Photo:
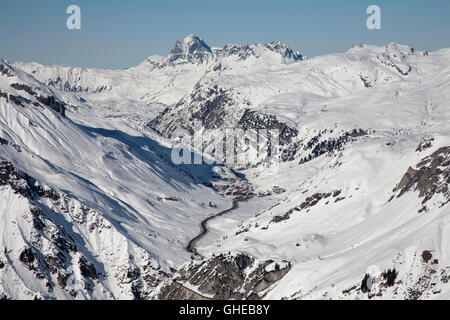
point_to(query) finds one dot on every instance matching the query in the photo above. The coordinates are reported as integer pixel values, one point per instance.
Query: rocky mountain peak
(191, 48)
(284, 50)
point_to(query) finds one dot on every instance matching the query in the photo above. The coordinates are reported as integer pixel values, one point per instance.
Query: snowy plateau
(92, 207)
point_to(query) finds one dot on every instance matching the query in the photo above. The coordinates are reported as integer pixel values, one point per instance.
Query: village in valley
(242, 188)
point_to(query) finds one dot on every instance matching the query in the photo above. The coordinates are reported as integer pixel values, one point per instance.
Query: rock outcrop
(224, 277)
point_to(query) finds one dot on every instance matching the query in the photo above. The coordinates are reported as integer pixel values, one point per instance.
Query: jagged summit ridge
(284, 50)
(193, 49)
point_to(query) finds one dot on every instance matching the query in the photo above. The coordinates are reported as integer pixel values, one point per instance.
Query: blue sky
(120, 34)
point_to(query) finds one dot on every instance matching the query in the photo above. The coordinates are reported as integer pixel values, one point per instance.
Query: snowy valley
(358, 205)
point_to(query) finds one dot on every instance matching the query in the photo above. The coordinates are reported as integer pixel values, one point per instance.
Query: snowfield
(92, 206)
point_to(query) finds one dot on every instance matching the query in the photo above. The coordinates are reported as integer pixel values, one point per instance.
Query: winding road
(204, 225)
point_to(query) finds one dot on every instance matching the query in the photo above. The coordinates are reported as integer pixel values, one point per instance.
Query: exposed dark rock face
(62, 280)
(4, 142)
(213, 110)
(366, 284)
(23, 87)
(5, 70)
(49, 101)
(431, 177)
(313, 200)
(11, 176)
(393, 60)
(65, 85)
(255, 120)
(18, 100)
(390, 276)
(400, 70)
(27, 256)
(366, 82)
(425, 144)
(52, 248)
(284, 50)
(224, 277)
(4, 95)
(33, 262)
(133, 274)
(52, 103)
(331, 145)
(282, 218)
(426, 256)
(87, 269)
(56, 261)
(308, 203)
(290, 151)
(23, 183)
(136, 290)
(242, 52)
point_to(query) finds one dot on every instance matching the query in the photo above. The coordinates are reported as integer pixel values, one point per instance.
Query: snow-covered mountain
(93, 207)
(76, 194)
